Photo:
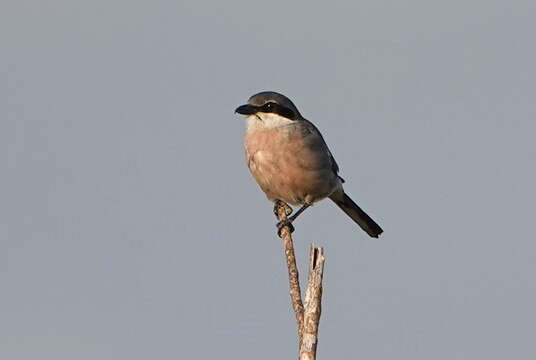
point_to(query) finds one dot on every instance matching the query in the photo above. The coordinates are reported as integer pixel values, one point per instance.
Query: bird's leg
(302, 209)
(288, 221)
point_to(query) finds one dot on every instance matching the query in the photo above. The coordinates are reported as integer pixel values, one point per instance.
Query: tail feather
(359, 216)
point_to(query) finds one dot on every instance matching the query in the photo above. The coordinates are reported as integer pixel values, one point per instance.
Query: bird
(291, 162)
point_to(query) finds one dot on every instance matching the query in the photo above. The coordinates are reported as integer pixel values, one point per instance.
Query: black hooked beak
(246, 109)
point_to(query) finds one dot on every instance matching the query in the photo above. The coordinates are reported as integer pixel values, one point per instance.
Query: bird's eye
(269, 105)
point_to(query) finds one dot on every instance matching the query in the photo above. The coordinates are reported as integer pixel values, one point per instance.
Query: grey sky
(130, 227)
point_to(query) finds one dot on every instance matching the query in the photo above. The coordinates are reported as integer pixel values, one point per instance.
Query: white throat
(267, 121)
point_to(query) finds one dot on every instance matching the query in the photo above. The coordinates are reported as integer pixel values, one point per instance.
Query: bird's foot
(285, 222)
(278, 204)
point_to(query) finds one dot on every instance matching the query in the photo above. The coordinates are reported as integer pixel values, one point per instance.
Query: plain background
(130, 227)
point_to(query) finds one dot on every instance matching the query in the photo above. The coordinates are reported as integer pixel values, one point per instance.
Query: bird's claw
(278, 204)
(285, 222)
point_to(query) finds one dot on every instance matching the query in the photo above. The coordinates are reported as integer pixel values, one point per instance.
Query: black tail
(359, 216)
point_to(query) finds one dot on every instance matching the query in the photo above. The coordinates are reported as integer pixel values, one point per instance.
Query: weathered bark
(313, 298)
(307, 318)
(293, 279)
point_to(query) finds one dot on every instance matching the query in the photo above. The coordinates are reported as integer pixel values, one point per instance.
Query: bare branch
(293, 280)
(313, 298)
(307, 318)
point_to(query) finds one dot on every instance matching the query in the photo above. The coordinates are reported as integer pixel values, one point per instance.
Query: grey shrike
(290, 160)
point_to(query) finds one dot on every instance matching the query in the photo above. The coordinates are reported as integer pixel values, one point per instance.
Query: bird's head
(271, 108)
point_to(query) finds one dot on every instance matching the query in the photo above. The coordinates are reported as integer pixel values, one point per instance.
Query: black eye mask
(272, 107)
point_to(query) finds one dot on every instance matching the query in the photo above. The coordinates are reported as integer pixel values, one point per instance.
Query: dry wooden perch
(308, 317)
(313, 297)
